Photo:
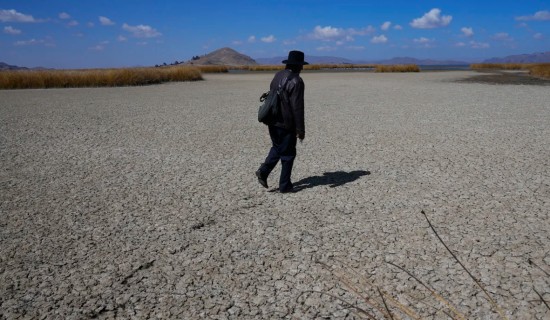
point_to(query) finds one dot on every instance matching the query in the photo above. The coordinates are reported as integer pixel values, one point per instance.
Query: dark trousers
(284, 149)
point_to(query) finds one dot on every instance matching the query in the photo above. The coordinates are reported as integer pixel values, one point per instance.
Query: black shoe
(287, 190)
(261, 180)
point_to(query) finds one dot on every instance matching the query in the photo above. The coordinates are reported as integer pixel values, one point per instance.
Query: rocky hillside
(223, 56)
(340, 60)
(522, 58)
(308, 58)
(5, 66)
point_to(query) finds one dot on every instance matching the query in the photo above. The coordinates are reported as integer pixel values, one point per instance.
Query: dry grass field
(146, 76)
(397, 68)
(535, 69)
(418, 197)
(97, 77)
(312, 67)
(540, 70)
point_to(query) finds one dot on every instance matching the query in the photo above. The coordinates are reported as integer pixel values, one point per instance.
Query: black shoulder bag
(271, 104)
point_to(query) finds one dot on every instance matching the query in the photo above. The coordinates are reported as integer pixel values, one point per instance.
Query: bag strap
(282, 84)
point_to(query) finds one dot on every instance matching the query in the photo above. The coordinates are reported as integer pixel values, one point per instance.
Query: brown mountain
(5, 66)
(539, 57)
(223, 56)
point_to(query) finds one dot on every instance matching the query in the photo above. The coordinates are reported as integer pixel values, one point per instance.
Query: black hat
(295, 57)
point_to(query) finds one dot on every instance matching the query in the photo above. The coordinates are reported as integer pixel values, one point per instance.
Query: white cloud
(538, 36)
(64, 16)
(339, 35)
(252, 39)
(289, 42)
(141, 31)
(237, 43)
(422, 40)
(362, 32)
(90, 24)
(122, 38)
(460, 44)
(326, 48)
(73, 23)
(327, 33)
(14, 16)
(502, 36)
(28, 42)
(398, 27)
(385, 26)
(356, 48)
(32, 42)
(467, 32)
(479, 45)
(432, 19)
(99, 47)
(538, 16)
(11, 30)
(268, 39)
(104, 21)
(379, 39)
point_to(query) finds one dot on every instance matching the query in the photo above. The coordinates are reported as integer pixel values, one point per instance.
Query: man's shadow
(332, 179)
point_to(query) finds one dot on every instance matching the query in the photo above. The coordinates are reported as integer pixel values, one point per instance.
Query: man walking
(288, 125)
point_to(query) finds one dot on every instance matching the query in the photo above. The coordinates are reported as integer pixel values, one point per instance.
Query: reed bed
(397, 68)
(96, 77)
(499, 66)
(339, 66)
(264, 68)
(213, 69)
(306, 67)
(540, 70)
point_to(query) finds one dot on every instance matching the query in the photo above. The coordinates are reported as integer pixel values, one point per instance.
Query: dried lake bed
(141, 202)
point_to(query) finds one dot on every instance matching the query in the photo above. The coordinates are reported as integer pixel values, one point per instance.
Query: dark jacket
(291, 116)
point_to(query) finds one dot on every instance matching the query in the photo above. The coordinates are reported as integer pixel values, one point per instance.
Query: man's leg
(287, 152)
(272, 158)
(285, 183)
(270, 162)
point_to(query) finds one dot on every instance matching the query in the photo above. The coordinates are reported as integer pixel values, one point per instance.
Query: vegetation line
(535, 69)
(498, 309)
(531, 262)
(408, 311)
(541, 298)
(35, 79)
(349, 305)
(432, 291)
(351, 287)
(384, 301)
(397, 68)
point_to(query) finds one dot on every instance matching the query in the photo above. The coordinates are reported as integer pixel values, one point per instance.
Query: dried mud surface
(141, 202)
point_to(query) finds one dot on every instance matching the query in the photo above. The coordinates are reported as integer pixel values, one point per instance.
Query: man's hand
(301, 135)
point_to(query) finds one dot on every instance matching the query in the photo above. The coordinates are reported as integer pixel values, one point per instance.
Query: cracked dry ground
(141, 202)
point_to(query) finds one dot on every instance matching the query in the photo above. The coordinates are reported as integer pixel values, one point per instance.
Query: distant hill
(310, 59)
(340, 60)
(522, 58)
(5, 66)
(223, 56)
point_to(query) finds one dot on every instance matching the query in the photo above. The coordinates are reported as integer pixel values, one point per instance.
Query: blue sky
(120, 33)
